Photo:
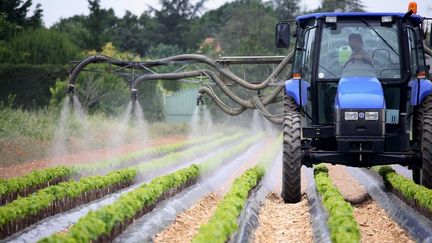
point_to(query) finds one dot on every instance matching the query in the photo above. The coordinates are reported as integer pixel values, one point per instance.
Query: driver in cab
(355, 41)
(359, 62)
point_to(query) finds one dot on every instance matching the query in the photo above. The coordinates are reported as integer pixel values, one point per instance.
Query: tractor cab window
(359, 48)
(304, 52)
(417, 59)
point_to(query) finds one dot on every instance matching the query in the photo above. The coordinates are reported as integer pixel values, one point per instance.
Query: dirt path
(375, 224)
(186, 224)
(85, 157)
(280, 222)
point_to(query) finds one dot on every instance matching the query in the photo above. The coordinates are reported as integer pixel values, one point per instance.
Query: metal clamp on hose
(200, 99)
(71, 89)
(134, 94)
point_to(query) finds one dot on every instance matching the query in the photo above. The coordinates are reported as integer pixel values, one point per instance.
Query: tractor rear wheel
(291, 168)
(426, 150)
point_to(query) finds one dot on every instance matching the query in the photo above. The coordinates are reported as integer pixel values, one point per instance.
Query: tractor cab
(358, 83)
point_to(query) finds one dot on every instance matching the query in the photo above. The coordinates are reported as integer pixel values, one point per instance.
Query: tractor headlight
(372, 116)
(351, 115)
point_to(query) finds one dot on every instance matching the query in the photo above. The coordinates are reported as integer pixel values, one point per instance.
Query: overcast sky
(53, 10)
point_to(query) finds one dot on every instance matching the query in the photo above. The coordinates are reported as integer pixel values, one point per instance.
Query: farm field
(229, 121)
(217, 187)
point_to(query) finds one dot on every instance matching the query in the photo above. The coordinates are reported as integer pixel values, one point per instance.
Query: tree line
(240, 27)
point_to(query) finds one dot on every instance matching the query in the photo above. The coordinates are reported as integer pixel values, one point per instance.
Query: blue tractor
(359, 95)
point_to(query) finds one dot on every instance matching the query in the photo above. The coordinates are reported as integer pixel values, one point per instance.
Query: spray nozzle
(71, 89)
(200, 99)
(134, 95)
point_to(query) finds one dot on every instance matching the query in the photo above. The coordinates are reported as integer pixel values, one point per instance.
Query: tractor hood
(359, 93)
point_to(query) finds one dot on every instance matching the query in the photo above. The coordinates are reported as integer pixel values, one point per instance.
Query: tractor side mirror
(282, 37)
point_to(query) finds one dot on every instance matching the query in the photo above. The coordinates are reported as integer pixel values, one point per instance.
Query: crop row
(417, 196)
(224, 222)
(22, 186)
(341, 222)
(58, 198)
(147, 153)
(32, 208)
(137, 203)
(107, 222)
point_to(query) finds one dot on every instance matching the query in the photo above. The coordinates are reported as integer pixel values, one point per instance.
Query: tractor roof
(415, 18)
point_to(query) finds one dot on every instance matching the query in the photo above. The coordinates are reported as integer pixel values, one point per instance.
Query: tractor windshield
(359, 48)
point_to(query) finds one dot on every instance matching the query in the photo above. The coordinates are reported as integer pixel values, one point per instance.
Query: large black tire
(420, 111)
(426, 150)
(291, 158)
(424, 109)
(290, 104)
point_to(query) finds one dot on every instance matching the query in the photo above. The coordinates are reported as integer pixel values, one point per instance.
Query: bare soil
(280, 222)
(375, 224)
(84, 157)
(186, 224)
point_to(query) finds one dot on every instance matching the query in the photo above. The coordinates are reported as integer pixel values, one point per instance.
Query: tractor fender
(425, 90)
(359, 93)
(292, 89)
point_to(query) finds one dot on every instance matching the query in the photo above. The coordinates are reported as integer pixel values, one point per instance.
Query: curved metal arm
(261, 108)
(99, 59)
(225, 108)
(227, 73)
(427, 49)
(169, 76)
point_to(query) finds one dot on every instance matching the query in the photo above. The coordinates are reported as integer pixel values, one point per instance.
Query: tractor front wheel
(426, 150)
(291, 168)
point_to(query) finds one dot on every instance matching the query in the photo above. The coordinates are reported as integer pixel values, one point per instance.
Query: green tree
(253, 38)
(356, 6)
(99, 23)
(137, 34)
(175, 18)
(7, 29)
(39, 46)
(17, 11)
(286, 9)
(75, 28)
(341, 5)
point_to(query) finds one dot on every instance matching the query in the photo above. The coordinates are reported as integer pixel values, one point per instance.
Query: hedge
(29, 83)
